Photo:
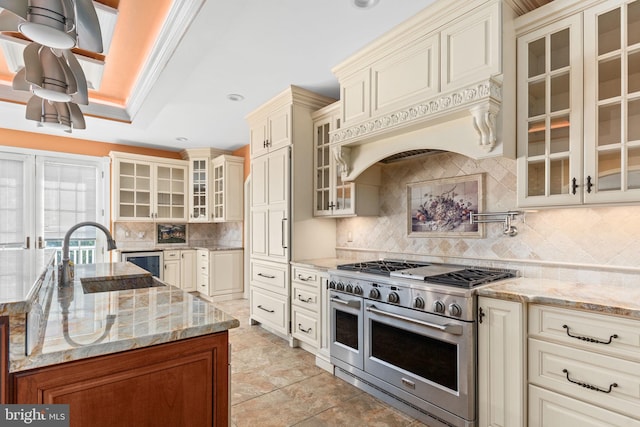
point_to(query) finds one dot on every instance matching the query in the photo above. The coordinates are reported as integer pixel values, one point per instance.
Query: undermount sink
(120, 276)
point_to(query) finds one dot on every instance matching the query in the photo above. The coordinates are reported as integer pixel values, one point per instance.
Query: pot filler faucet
(66, 276)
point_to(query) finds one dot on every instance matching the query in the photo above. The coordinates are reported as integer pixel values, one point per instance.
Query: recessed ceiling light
(235, 97)
(182, 139)
(364, 4)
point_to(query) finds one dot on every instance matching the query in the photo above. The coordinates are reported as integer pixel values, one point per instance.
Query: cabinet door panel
(258, 138)
(412, 75)
(259, 230)
(278, 177)
(278, 232)
(548, 409)
(355, 98)
(550, 144)
(259, 182)
(280, 128)
(182, 383)
(470, 48)
(501, 363)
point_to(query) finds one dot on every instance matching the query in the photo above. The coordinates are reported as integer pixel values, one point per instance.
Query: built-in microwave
(152, 261)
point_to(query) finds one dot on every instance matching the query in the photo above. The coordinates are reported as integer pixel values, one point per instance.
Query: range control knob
(349, 288)
(340, 286)
(374, 293)
(393, 298)
(357, 290)
(418, 302)
(438, 306)
(332, 284)
(455, 310)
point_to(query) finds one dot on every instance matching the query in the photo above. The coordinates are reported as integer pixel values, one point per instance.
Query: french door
(41, 197)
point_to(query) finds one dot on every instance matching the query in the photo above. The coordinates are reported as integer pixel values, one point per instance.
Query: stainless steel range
(406, 332)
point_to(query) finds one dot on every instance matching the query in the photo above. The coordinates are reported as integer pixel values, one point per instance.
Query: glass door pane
(69, 194)
(13, 206)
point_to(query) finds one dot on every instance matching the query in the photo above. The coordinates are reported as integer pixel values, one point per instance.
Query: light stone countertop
(66, 324)
(607, 299)
(323, 264)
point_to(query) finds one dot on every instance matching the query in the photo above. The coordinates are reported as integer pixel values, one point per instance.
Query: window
(41, 196)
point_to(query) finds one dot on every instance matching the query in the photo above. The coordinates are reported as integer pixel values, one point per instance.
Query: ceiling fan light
(51, 94)
(46, 35)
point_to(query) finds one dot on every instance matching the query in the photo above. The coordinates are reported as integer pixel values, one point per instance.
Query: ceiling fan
(52, 72)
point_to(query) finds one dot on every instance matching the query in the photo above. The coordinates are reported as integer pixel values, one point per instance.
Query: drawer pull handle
(589, 386)
(308, 300)
(267, 276)
(266, 309)
(306, 331)
(304, 279)
(589, 339)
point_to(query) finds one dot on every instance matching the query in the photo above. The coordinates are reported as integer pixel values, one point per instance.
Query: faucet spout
(66, 276)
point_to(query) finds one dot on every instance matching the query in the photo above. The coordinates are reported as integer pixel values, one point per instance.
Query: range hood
(435, 83)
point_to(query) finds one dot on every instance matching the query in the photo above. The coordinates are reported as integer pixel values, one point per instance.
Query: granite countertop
(604, 298)
(181, 248)
(324, 264)
(65, 323)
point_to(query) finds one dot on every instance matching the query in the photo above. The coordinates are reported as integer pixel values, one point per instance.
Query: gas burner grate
(382, 267)
(470, 277)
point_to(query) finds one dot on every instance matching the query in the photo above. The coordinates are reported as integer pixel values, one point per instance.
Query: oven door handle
(351, 303)
(449, 328)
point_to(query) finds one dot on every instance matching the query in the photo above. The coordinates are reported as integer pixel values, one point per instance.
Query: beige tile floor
(275, 385)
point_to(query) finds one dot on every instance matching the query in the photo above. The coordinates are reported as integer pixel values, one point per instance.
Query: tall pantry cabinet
(282, 225)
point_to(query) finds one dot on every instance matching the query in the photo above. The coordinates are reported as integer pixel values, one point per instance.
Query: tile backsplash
(142, 235)
(554, 243)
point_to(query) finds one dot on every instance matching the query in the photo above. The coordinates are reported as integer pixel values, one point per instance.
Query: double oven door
(428, 356)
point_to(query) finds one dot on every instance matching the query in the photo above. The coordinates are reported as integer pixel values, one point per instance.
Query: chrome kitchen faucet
(66, 274)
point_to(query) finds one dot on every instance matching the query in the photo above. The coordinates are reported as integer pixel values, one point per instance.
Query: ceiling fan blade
(9, 21)
(70, 78)
(19, 80)
(17, 7)
(34, 73)
(34, 109)
(77, 118)
(81, 96)
(88, 26)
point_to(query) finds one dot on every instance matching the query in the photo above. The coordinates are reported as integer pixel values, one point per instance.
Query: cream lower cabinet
(305, 307)
(220, 274)
(269, 296)
(501, 363)
(584, 368)
(179, 268)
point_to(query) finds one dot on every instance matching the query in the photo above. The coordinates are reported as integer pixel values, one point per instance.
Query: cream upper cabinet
(550, 139)
(149, 188)
(333, 196)
(579, 104)
(270, 132)
(612, 107)
(228, 188)
(501, 363)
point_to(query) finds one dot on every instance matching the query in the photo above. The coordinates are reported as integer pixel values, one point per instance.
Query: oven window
(347, 329)
(429, 358)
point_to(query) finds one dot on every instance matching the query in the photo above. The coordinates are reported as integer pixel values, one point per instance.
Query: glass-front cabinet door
(199, 190)
(333, 196)
(550, 115)
(612, 117)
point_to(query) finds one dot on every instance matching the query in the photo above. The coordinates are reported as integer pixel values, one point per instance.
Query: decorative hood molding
(481, 101)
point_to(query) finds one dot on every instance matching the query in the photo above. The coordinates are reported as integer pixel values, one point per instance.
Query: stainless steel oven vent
(410, 154)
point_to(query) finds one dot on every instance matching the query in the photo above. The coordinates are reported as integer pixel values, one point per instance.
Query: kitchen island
(154, 355)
